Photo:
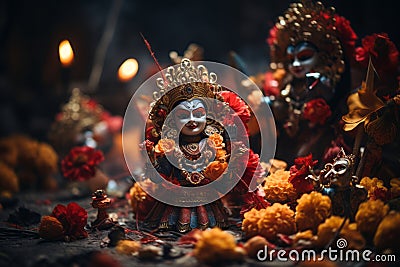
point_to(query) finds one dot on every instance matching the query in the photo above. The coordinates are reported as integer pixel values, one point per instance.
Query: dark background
(31, 88)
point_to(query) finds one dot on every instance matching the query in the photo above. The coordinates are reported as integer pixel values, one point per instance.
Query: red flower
(334, 149)
(73, 219)
(237, 105)
(272, 38)
(299, 171)
(253, 172)
(317, 111)
(254, 200)
(81, 162)
(346, 35)
(271, 85)
(382, 51)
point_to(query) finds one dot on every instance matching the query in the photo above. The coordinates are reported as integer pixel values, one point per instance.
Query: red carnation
(253, 172)
(237, 105)
(382, 51)
(346, 35)
(81, 162)
(299, 172)
(73, 219)
(254, 200)
(317, 111)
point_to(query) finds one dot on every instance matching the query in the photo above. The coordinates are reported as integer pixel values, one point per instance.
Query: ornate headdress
(184, 82)
(312, 22)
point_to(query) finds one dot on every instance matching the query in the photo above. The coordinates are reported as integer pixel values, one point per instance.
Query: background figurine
(101, 202)
(307, 85)
(338, 182)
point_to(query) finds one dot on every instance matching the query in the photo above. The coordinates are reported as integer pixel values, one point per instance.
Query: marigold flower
(8, 152)
(164, 146)
(220, 154)
(216, 140)
(81, 162)
(278, 188)
(312, 209)
(375, 188)
(50, 228)
(268, 222)
(387, 235)
(250, 222)
(215, 169)
(127, 247)
(369, 215)
(255, 244)
(8, 180)
(46, 160)
(216, 246)
(305, 237)
(395, 187)
(327, 231)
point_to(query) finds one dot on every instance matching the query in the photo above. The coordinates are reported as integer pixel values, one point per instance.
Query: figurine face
(190, 117)
(302, 59)
(340, 172)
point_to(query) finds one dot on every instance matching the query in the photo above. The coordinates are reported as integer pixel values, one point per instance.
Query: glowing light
(65, 53)
(128, 70)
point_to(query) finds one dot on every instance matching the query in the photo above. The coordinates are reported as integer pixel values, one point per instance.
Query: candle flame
(66, 53)
(128, 70)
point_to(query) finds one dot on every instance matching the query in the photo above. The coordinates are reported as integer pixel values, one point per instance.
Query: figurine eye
(183, 114)
(340, 168)
(198, 113)
(305, 54)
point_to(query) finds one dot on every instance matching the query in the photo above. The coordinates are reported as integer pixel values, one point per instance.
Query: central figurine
(196, 129)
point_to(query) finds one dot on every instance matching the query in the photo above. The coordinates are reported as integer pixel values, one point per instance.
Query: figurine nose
(296, 63)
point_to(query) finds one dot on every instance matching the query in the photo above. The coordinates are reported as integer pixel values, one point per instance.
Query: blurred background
(34, 84)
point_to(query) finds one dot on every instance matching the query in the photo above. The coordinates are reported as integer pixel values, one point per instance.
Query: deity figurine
(338, 182)
(306, 87)
(195, 138)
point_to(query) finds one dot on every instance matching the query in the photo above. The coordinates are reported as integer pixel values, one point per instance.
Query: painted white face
(190, 117)
(302, 59)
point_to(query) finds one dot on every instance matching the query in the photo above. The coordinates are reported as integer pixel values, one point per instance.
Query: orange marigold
(395, 187)
(372, 184)
(369, 215)
(8, 152)
(164, 146)
(216, 246)
(8, 180)
(216, 140)
(312, 209)
(46, 160)
(327, 231)
(51, 228)
(127, 247)
(138, 195)
(278, 188)
(276, 219)
(387, 235)
(250, 222)
(215, 169)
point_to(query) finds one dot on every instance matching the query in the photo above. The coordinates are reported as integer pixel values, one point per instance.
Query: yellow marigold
(250, 221)
(277, 219)
(304, 238)
(50, 228)
(395, 187)
(8, 152)
(127, 247)
(387, 235)
(255, 244)
(327, 231)
(46, 160)
(27, 149)
(369, 215)
(275, 165)
(215, 169)
(164, 146)
(8, 180)
(216, 246)
(137, 194)
(220, 154)
(312, 209)
(278, 188)
(372, 184)
(216, 140)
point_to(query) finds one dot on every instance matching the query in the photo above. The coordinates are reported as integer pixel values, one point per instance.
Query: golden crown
(309, 21)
